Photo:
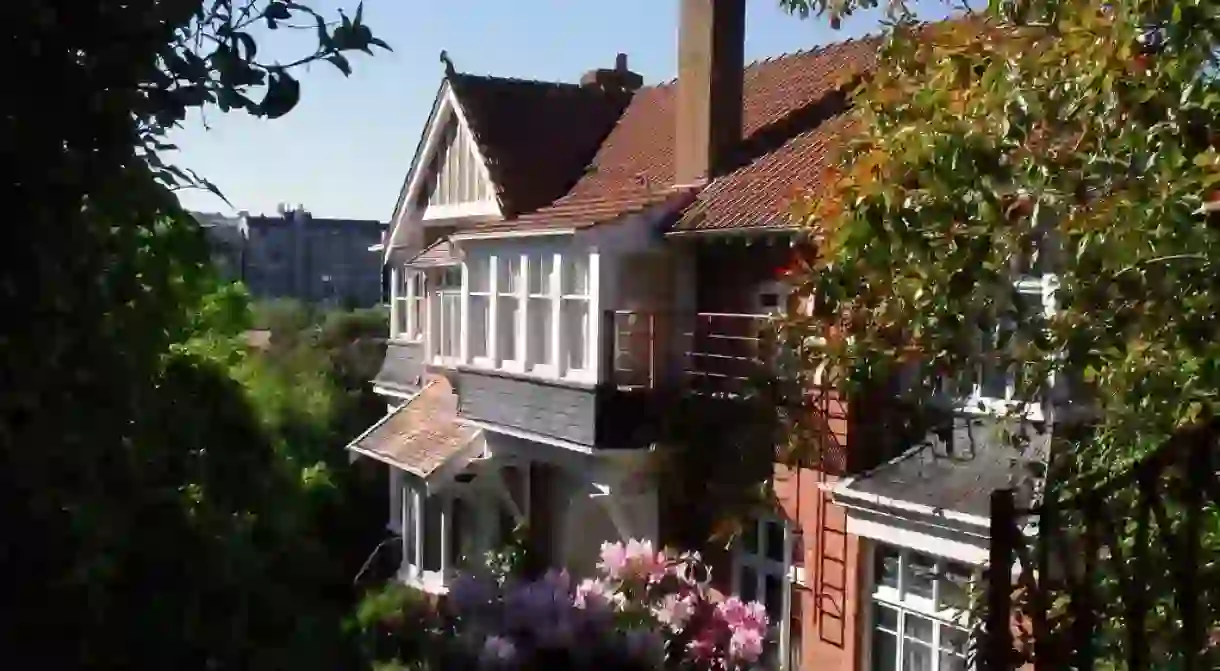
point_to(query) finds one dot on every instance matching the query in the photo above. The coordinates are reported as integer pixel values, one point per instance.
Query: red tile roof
(794, 123)
(421, 435)
(537, 137)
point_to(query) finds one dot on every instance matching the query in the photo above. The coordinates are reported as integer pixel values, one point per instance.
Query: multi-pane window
(540, 340)
(509, 311)
(478, 274)
(918, 611)
(763, 571)
(574, 312)
(447, 315)
(408, 295)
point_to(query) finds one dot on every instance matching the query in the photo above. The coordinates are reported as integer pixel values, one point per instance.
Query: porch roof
(952, 472)
(436, 255)
(422, 436)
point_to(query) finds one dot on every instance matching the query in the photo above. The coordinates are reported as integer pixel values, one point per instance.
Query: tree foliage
(1078, 140)
(149, 518)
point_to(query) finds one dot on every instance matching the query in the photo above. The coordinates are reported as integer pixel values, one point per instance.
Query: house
(297, 255)
(581, 278)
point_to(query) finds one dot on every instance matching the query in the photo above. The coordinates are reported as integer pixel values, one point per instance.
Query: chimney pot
(620, 63)
(619, 80)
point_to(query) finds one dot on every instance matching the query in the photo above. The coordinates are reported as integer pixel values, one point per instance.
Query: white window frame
(407, 295)
(587, 372)
(436, 318)
(486, 295)
(547, 299)
(791, 577)
(905, 605)
(511, 361)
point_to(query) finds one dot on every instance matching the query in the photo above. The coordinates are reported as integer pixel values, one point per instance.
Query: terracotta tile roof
(420, 436)
(537, 137)
(793, 123)
(439, 253)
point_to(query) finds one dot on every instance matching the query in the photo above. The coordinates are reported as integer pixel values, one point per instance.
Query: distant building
(296, 255)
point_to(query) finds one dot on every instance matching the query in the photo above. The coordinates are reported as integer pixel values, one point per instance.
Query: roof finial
(449, 69)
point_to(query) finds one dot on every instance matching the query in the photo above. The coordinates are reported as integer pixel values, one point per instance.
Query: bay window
(918, 611)
(510, 292)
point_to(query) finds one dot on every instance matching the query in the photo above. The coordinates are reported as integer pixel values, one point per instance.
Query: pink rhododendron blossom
(675, 611)
(613, 560)
(746, 644)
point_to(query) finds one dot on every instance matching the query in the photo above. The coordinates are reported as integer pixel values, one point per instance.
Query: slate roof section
(420, 436)
(958, 469)
(794, 122)
(537, 137)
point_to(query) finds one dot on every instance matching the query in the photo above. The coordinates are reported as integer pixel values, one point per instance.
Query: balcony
(714, 354)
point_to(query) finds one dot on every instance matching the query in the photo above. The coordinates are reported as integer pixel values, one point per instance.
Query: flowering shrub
(646, 610)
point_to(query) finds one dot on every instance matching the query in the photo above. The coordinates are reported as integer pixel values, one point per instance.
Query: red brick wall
(827, 603)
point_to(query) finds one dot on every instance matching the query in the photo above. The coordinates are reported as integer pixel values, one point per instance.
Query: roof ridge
(517, 80)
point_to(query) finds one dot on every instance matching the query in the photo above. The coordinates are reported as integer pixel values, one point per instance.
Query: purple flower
(498, 653)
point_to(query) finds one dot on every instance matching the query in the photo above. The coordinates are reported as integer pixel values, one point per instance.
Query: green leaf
(340, 61)
(277, 11)
(283, 94)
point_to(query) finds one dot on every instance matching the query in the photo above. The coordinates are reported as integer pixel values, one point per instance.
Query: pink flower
(613, 560)
(746, 644)
(591, 593)
(736, 613)
(674, 611)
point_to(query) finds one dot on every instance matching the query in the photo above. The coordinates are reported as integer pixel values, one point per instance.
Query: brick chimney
(620, 79)
(711, 58)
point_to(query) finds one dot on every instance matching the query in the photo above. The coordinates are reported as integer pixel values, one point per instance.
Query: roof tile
(421, 435)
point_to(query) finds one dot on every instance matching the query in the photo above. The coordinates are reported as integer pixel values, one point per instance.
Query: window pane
(954, 640)
(749, 584)
(773, 598)
(576, 333)
(885, 651)
(576, 275)
(885, 566)
(774, 539)
(506, 346)
(915, 627)
(479, 306)
(885, 617)
(749, 536)
(478, 275)
(451, 323)
(540, 269)
(402, 310)
(417, 308)
(539, 334)
(918, 574)
(916, 656)
(954, 586)
(460, 547)
(432, 531)
(510, 274)
(949, 662)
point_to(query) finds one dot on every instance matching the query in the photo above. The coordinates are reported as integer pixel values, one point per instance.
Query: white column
(417, 519)
(593, 354)
(446, 504)
(464, 317)
(395, 274)
(556, 287)
(493, 310)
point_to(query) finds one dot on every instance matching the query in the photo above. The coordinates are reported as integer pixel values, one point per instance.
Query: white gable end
(448, 180)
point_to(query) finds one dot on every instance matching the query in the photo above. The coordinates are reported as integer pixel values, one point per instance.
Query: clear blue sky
(345, 149)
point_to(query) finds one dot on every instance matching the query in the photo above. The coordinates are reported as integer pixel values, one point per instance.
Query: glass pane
(460, 548)
(954, 640)
(749, 536)
(576, 333)
(916, 627)
(506, 346)
(403, 310)
(774, 539)
(885, 651)
(479, 306)
(773, 598)
(576, 275)
(540, 269)
(916, 656)
(885, 617)
(950, 662)
(748, 587)
(451, 318)
(539, 334)
(955, 586)
(510, 273)
(432, 532)
(886, 566)
(919, 574)
(417, 307)
(478, 275)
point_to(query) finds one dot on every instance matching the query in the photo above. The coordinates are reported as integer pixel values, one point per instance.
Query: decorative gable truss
(448, 179)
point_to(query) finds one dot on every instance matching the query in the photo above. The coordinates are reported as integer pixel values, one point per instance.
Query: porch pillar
(417, 520)
(446, 504)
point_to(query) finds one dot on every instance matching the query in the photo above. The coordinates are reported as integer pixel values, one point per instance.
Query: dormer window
(408, 305)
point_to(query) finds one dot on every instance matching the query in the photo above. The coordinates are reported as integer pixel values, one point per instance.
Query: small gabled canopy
(423, 437)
